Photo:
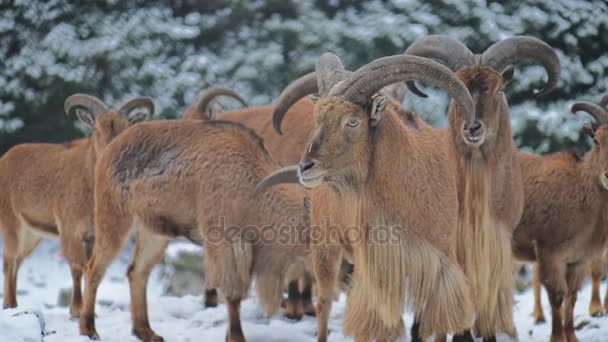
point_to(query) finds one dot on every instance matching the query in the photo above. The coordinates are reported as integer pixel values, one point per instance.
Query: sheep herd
(344, 190)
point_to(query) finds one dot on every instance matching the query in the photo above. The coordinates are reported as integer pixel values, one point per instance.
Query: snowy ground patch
(45, 273)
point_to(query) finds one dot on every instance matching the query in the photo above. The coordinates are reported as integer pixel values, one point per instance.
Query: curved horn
(88, 102)
(443, 49)
(287, 174)
(597, 112)
(604, 101)
(303, 86)
(524, 48)
(129, 105)
(387, 70)
(329, 72)
(206, 97)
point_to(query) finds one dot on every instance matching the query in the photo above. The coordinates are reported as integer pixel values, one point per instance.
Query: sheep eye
(352, 123)
(500, 91)
(596, 143)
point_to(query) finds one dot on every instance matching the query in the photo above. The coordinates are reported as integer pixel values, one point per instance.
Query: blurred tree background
(170, 50)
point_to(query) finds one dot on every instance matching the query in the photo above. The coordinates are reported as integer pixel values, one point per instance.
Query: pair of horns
(207, 96)
(96, 106)
(456, 55)
(331, 79)
(599, 112)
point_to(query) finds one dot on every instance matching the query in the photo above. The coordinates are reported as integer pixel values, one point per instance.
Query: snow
(45, 273)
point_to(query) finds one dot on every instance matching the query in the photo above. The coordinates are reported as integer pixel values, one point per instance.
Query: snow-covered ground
(45, 273)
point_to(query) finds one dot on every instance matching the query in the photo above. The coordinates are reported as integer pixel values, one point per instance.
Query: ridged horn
(206, 97)
(287, 174)
(126, 107)
(524, 48)
(443, 49)
(604, 101)
(372, 77)
(599, 113)
(329, 72)
(88, 102)
(303, 86)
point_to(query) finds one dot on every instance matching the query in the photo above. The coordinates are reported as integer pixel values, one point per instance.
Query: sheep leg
(539, 315)
(575, 276)
(111, 231)
(211, 299)
(415, 331)
(553, 276)
(326, 262)
(73, 248)
(17, 247)
(294, 308)
(309, 307)
(76, 270)
(10, 281)
(569, 317)
(149, 249)
(597, 271)
(235, 332)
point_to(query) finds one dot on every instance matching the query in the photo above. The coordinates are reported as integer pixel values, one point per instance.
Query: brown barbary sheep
(371, 167)
(597, 272)
(193, 179)
(298, 302)
(48, 191)
(565, 222)
(489, 180)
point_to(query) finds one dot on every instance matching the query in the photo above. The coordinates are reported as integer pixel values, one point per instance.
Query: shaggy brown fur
(48, 192)
(564, 223)
(491, 199)
(286, 149)
(169, 179)
(421, 256)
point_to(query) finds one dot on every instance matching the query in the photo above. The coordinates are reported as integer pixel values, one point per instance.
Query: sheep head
(599, 133)
(105, 122)
(486, 75)
(350, 110)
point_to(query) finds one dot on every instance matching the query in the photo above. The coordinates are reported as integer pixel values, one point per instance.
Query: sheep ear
(315, 98)
(86, 117)
(507, 74)
(377, 109)
(588, 130)
(138, 117)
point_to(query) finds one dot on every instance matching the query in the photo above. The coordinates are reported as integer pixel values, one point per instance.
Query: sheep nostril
(306, 164)
(474, 127)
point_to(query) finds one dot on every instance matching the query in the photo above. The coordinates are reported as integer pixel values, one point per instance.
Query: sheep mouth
(474, 140)
(604, 180)
(474, 136)
(311, 177)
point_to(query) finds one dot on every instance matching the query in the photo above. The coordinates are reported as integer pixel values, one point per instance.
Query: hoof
(539, 319)
(309, 309)
(571, 338)
(596, 311)
(75, 314)
(87, 327)
(235, 338)
(148, 335)
(211, 299)
(294, 310)
(93, 335)
(558, 338)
